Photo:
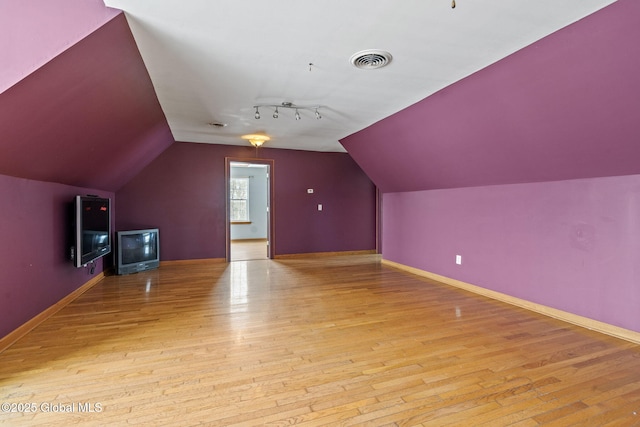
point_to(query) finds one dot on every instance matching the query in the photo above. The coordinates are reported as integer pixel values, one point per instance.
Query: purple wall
(571, 245)
(35, 269)
(182, 192)
(33, 32)
(88, 118)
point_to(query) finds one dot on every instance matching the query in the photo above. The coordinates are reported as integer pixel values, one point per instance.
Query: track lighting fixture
(290, 106)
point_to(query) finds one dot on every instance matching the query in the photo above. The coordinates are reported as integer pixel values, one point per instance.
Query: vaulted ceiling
(490, 92)
(212, 61)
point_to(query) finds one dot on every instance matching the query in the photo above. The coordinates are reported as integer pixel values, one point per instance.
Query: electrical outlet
(459, 259)
(319, 206)
(309, 190)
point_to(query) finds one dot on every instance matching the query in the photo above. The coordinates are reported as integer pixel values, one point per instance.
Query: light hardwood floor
(246, 250)
(335, 341)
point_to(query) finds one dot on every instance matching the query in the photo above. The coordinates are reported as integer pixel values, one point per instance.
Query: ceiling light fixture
(256, 139)
(288, 105)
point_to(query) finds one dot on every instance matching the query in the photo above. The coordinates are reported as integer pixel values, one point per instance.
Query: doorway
(249, 223)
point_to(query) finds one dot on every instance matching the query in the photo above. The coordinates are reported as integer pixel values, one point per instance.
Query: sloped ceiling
(212, 61)
(89, 117)
(565, 107)
(34, 32)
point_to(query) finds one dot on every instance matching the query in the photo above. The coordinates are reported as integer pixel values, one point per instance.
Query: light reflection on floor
(239, 286)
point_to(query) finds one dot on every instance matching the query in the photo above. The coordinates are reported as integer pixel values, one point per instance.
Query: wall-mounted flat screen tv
(92, 226)
(137, 250)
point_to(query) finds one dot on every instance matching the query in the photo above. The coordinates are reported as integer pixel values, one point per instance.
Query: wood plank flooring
(335, 341)
(246, 250)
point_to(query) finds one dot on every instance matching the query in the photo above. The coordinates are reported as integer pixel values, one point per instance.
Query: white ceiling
(211, 61)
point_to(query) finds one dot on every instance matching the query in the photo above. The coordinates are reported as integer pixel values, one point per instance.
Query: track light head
(288, 106)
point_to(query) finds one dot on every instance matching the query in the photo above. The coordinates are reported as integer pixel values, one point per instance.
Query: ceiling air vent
(371, 59)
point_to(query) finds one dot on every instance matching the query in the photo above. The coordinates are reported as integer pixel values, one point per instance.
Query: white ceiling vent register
(370, 59)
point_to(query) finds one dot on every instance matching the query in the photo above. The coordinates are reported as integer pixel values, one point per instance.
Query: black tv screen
(92, 229)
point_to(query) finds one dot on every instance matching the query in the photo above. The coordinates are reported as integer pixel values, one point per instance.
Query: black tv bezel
(138, 266)
(82, 258)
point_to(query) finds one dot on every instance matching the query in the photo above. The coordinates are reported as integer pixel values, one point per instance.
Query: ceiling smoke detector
(371, 59)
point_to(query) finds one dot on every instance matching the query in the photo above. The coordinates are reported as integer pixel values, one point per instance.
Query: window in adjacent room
(239, 197)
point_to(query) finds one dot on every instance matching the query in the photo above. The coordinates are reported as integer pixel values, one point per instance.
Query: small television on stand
(92, 229)
(137, 250)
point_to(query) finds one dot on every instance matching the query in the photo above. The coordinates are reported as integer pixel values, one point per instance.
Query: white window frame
(237, 198)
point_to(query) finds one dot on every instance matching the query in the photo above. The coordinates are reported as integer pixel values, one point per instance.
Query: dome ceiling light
(256, 139)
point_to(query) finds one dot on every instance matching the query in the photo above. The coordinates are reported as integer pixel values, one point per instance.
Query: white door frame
(270, 202)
